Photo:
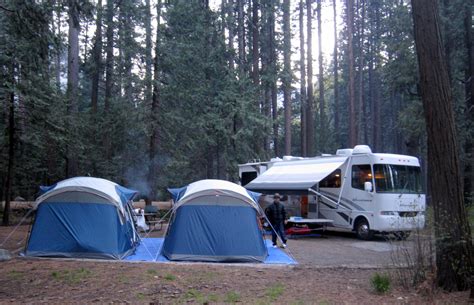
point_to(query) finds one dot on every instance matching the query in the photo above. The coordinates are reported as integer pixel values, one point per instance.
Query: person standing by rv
(276, 214)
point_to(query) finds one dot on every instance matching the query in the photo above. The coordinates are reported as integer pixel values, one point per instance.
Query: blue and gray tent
(214, 221)
(83, 217)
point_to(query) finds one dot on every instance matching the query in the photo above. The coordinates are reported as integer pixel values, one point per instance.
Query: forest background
(157, 94)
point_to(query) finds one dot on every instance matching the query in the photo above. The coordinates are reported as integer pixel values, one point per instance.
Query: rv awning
(295, 175)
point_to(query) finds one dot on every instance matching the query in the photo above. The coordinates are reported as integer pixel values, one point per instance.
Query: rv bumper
(391, 223)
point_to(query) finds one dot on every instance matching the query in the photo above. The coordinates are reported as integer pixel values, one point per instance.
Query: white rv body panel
(385, 208)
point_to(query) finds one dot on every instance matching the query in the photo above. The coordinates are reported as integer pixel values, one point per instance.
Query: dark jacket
(276, 213)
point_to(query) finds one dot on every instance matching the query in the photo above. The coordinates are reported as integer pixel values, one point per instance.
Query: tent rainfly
(83, 217)
(214, 221)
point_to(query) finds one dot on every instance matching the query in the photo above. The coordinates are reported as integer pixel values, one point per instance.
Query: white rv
(355, 189)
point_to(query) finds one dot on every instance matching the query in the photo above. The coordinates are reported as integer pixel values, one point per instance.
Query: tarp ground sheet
(149, 251)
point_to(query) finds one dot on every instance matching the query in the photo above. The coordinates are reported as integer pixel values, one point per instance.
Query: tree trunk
(273, 86)
(148, 56)
(310, 103)
(97, 57)
(72, 87)
(351, 88)
(230, 27)
(454, 259)
(126, 42)
(154, 120)
(322, 106)
(267, 112)
(370, 91)
(286, 80)
(58, 51)
(362, 124)
(86, 40)
(469, 93)
(336, 80)
(95, 78)
(255, 39)
(109, 71)
(303, 137)
(375, 93)
(240, 35)
(447, 34)
(11, 152)
(276, 126)
(265, 57)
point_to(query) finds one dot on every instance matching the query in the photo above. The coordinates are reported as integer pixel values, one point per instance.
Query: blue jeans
(280, 230)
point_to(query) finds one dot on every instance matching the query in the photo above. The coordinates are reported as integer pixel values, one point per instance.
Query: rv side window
(247, 177)
(333, 180)
(360, 175)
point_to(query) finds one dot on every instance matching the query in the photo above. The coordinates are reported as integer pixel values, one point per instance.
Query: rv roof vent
(290, 158)
(361, 149)
(275, 159)
(344, 152)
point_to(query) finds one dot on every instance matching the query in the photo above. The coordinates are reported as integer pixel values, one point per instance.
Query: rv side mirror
(368, 186)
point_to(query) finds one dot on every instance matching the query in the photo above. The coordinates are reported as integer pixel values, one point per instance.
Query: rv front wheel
(363, 230)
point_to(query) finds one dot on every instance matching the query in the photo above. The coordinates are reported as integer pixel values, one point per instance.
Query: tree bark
(322, 104)
(255, 39)
(310, 103)
(11, 152)
(109, 73)
(126, 42)
(266, 72)
(336, 80)
(286, 79)
(303, 137)
(468, 94)
(154, 120)
(148, 51)
(454, 260)
(58, 51)
(230, 21)
(97, 57)
(240, 35)
(447, 34)
(72, 87)
(375, 79)
(362, 125)
(351, 88)
(273, 86)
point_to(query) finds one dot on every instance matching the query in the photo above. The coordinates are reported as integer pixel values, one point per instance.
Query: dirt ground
(310, 282)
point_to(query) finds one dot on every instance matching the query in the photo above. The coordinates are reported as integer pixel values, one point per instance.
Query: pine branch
(6, 9)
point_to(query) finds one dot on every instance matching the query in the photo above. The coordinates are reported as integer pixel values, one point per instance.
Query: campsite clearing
(312, 281)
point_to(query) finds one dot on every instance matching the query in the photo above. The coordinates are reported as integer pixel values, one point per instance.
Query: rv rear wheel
(362, 229)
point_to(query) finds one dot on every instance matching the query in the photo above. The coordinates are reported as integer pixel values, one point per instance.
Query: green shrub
(232, 297)
(170, 277)
(152, 272)
(275, 291)
(73, 276)
(380, 282)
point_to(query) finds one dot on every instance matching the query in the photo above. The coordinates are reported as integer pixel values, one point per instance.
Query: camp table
(152, 221)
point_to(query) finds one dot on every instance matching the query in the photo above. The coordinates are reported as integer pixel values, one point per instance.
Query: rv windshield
(402, 179)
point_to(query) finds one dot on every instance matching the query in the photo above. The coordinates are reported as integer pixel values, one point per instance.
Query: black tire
(402, 235)
(362, 230)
